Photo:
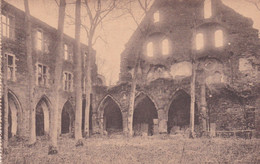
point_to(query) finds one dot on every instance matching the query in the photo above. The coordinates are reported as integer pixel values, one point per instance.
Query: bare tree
(131, 6)
(144, 5)
(57, 78)
(95, 15)
(31, 78)
(78, 77)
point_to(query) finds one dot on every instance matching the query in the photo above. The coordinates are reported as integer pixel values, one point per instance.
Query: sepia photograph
(130, 81)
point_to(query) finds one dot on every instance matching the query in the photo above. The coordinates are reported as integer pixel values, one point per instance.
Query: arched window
(165, 47)
(150, 49)
(199, 41)
(219, 38)
(156, 17)
(207, 9)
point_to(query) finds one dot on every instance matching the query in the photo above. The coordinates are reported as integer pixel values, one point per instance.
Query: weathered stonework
(18, 92)
(229, 73)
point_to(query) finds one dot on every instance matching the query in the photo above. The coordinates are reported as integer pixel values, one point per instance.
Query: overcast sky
(116, 33)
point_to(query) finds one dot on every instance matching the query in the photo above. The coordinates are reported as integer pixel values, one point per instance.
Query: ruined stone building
(14, 49)
(175, 36)
(176, 41)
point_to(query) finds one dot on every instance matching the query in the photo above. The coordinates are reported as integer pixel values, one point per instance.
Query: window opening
(150, 49)
(207, 9)
(165, 47)
(199, 41)
(219, 38)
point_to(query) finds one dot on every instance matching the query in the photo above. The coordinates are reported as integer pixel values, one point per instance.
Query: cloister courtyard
(141, 149)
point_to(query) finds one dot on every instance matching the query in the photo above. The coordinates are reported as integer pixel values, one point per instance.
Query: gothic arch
(42, 119)
(144, 115)
(103, 101)
(143, 94)
(178, 111)
(14, 114)
(110, 114)
(174, 96)
(67, 118)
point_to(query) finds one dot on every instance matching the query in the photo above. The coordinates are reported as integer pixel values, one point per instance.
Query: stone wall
(19, 86)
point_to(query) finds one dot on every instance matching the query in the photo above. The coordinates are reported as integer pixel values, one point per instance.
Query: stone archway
(179, 112)
(110, 111)
(14, 114)
(145, 115)
(42, 117)
(67, 118)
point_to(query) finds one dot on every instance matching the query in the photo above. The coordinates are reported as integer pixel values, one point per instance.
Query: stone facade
(13, 47)
(223, 49)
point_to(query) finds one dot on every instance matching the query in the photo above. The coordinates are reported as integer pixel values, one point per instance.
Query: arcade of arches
(42, 117)
(145, 116)
(179, 112)
(14, 114)
(67, 118)
(112, 116)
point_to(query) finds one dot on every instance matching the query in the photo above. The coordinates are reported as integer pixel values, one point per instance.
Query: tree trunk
(88, 89)
(31, 78)
(78, 78)
(132, 100)
(203, 104)
(57, 79)
(6, 106)
(192, 102)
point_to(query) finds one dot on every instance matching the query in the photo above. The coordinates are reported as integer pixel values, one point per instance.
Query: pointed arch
(16, 100)
(145, 114)
(142, 94)
(46, 100)
(14, 114)
(104, 99)
(67, 118)
(178, 111)
(111, 115)
(43, 109)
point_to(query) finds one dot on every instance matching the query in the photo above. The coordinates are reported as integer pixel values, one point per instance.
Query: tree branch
(99, 37)
(255, 2)
(89, 11)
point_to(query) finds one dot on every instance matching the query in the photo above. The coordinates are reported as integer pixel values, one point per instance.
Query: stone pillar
(101, 124)
(162, 118)
(155, 126)
(95, 127)
(124, 119)
(213, 129)
(59, 113)
(104, 124)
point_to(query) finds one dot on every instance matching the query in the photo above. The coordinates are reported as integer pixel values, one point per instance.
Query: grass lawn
(155, 149)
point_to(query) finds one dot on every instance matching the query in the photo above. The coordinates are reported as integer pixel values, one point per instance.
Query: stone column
(162, 118)
(59, 113)
(101, 124)
(95, 127)
(124, 121)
